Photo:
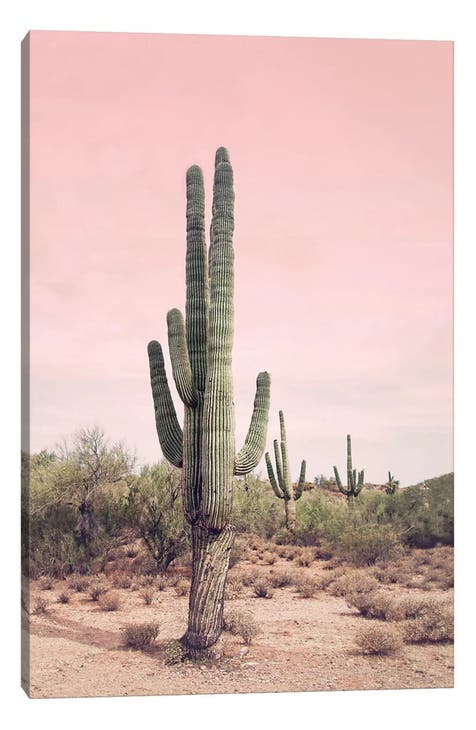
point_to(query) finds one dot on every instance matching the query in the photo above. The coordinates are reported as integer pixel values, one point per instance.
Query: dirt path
(304, 645)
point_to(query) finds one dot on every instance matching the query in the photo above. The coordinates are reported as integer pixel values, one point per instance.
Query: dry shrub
(411, 607)
(97, 589)
(234, 587)
(110, 601)
(64, 597)
(47, 583)
(263, 589)
(352, 583)
(181, 588)
(161, 583)
(281, 579)
(80, 584)
(378, 639)
(236, 553)
(390, 573)
(269, 558)
(131, 551)
(122, 581)
(435, 625)
(305, 559)
(253, 558)
(371, 605)
(241, 623)
(249, 578)
(140, 636)
(307, 588)
(147, 596)
(40, 606)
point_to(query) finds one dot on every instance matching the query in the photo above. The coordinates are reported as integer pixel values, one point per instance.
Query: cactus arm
(302, 480)
(339, 483)
(279, 465)
(286, 479)
(272, 478)
(168, 428)
(181, 370)
(249, 455)
(196, 277)
(218, 448)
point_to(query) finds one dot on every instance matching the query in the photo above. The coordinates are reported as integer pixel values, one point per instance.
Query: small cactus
(355, 481)
(392, 484)
(282, 486)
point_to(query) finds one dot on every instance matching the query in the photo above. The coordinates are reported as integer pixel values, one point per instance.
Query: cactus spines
(281, 482)
(355, 481)
(200, 352)
(392, 484)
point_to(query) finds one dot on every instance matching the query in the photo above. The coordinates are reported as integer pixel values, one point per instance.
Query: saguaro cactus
(392, 484)
(200, 352)
(282, 486)
(355, 481)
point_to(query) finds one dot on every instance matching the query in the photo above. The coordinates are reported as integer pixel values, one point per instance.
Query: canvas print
(237, 468)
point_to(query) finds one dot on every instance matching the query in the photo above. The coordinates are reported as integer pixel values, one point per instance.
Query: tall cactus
(392, 484)
(282, 486)
(355, 481)
(200, 352)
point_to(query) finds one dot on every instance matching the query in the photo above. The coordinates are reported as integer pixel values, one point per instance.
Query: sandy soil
(305, 645)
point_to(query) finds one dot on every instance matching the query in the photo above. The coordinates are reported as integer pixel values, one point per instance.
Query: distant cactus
(282, 486)
(355, 481)
(392, 484)
(200, 352)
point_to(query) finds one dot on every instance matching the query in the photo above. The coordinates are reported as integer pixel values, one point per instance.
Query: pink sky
(342, 152)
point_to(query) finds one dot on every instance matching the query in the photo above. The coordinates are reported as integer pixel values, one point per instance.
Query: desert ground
(304, 642)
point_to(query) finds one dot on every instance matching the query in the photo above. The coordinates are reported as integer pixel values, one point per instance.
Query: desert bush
(365, 544)
(47, 584)
(375, 605)
(262, 588)
(161, 583)
(281, 579)
(413, 607)
(147, 596)
(80, 584)
(305, 559)
(255, 508)
(241, 623)
(131, 551)
(122, 581)
(174, 652)
(110, 601)
(249, 578)
(434, 624)
(155, 511)
(64, 597)
(307, 588)
(40, 606)
(182, 588)
(269, 558)
(352, 583)
(234, 587)
(236, 553)
(378, 639)
(140, 636)
(97, 589)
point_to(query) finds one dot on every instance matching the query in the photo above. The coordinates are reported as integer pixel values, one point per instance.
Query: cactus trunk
(200, 352)
(211, 555)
